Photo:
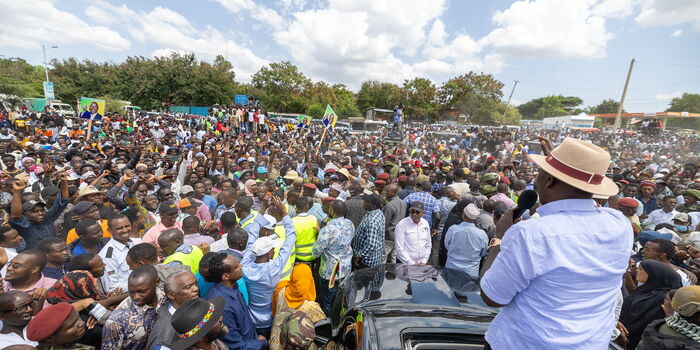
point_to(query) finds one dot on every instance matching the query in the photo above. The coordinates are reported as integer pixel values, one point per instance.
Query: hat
(647, 183)
(380, 182)
(291, 175)
(310, 186)
(186, 203)
(628, 202)
(346, 173)
(692, 193)
(199, 154)
(167, 207)
(241, 160)
(337, 187)
(262, 170)
(402, 178)
(36, 169)
(471, 211)
(505, 180)
(579, 164)
(659, 176)
(186, 189)
(686, 301)
(490, 176)
(328, 153)
(194, 319)
(251, 159)
(49, 191)
(416, 205)
(271, 222)
(264, 245)
(682, 217)
(82, 207)
(383, 176)
(298, 331)
(329, 199)
(329, 171)
(29, 205)
(88, 190)
(374, 199)
(48, 321)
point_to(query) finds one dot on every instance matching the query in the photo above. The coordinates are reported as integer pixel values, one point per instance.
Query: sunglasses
(414, 211)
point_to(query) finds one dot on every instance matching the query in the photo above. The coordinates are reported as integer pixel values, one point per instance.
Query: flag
(329, 118)
(303, 121)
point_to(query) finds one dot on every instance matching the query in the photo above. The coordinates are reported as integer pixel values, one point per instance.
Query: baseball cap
(186, 189)
(682, 217)
(167, 207)
(29, 205)
(263, 245)
(186, 203)
(83, 206)
(262, 170)
(417, 205)
(686, 301)
(271, 222)
(49, 191)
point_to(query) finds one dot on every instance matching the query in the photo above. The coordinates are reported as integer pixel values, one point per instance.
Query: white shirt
(221, 244)
(14, 339)
(412, 242)
(116, 269)
(11, 254)
(659, 216)
(558, 277)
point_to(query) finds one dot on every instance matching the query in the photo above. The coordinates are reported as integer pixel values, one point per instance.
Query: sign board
(48, 91)
(652, 114)
(92, 108)
(684, 114)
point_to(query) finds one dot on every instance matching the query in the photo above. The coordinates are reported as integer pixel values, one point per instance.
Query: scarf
(74, 286)
(690, 330)
(249, 188)
(299, 288)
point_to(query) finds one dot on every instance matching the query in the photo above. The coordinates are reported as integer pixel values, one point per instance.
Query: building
(580, 121)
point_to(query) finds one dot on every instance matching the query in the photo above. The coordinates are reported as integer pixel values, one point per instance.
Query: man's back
(559, 275)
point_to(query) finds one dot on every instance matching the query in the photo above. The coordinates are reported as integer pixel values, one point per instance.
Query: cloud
(668, 96)
(551, 28)
(669, 13)
(170, 32)
(255, 11)
(615, 8)
(676, 33)
(29, 23)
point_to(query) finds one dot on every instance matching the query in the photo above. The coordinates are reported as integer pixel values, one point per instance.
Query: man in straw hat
(572, 241)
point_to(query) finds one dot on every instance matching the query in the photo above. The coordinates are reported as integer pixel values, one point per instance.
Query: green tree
(550, 106)
(686, 103)
(606, 106)
(497, 115)
(474, 94)
(378, 94)
(17, 77)
(282, 87)
(420, 98)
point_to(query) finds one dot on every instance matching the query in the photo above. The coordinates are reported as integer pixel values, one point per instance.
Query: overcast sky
(570, 47)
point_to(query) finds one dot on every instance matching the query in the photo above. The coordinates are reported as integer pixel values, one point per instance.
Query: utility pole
(618, 118)
(509, 97)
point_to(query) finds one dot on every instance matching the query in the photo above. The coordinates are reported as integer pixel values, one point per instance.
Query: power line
(671, 64)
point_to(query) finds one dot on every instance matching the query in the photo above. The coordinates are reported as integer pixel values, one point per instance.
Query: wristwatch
(494, 242)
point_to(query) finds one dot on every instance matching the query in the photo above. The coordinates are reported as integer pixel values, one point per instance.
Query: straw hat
(86, 191)
(580, 164)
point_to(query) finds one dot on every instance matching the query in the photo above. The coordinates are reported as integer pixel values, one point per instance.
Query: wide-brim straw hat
(579, 164)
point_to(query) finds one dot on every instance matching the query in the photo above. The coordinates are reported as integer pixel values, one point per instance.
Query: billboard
(48, 91)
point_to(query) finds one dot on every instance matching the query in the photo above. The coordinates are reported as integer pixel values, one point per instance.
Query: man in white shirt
(114, 254)
(10, 240)
(16, 310)
(664, 215)
(412, 237)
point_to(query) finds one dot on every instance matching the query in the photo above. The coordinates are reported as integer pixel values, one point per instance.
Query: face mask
(681, 228)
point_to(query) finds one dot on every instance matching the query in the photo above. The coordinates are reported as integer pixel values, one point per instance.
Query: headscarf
(299, 288)
(453, 218)
(249, 188)
(74, 286)
(643, 305)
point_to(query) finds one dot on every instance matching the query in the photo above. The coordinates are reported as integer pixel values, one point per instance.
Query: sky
(571, 47)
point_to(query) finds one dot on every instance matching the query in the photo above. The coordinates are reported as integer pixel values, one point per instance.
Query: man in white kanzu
(557, 276)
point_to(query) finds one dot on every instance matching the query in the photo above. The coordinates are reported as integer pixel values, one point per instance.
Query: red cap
(47, 321)
(310, 186)
(404, 162)
(347, 166)
(330, 171)
(380, 182)
(647, 183)
(383, 176)
(628, 202)
(328, 199)
(402, 178)
(391, 156)
(505, 180)
(490, 158)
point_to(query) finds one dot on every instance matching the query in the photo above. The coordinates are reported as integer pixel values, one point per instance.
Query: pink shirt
(155, 231)
(502, 197)
(203, 211)
(44, 282)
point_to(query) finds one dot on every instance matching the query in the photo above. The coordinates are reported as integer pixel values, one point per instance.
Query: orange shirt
(72, 235)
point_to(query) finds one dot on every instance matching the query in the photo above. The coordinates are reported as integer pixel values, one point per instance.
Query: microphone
(526, 201)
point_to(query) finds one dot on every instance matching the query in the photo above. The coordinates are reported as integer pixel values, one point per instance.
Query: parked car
(395, 306)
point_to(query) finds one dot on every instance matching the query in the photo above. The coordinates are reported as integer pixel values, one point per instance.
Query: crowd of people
(154, 231)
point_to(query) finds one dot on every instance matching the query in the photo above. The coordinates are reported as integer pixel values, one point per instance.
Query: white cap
(271, 222)
(471, 211)
(263, 245)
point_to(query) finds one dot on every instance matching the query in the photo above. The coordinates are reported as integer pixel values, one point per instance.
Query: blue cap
(241, 160)
(262, 170)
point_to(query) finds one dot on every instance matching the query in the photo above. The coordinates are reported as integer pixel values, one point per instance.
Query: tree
(378, 94)
(606, 106)
(282, 87)
(17, 77)
(686, 103)
(476, 95)
(419, 96)
(550, 106)
(497, 115)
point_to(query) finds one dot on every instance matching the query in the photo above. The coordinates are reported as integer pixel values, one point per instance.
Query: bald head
(391, 190)
(237, 239)
(170, 240)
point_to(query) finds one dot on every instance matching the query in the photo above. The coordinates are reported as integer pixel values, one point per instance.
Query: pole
(46, 68)
(509, 97)
(618, 118)
(320, 142)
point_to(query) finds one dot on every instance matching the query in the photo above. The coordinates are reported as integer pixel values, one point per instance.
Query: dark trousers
(328, 295)
(265, 332)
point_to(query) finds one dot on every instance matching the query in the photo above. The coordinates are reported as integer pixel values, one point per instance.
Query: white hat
(264, 245)
(186, 189)
(471, 211)
(271, 222)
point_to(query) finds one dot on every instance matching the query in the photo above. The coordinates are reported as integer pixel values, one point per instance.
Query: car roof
(401, 286)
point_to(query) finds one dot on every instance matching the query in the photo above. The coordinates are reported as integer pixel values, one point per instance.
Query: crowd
(221, 232)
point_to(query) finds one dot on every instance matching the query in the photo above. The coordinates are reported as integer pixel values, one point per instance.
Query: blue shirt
(466, 245)
(430, 204)
(209, 201)
(261, 279)
(558, 277)
(33, 232)
(241, 330)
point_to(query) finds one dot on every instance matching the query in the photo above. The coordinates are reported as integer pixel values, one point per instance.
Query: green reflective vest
(190, 257)
(305, 226)
(287, 271)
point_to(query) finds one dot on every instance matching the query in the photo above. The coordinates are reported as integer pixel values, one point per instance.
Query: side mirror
(324, 332)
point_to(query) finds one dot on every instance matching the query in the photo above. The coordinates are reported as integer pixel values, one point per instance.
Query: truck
(38, 105)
